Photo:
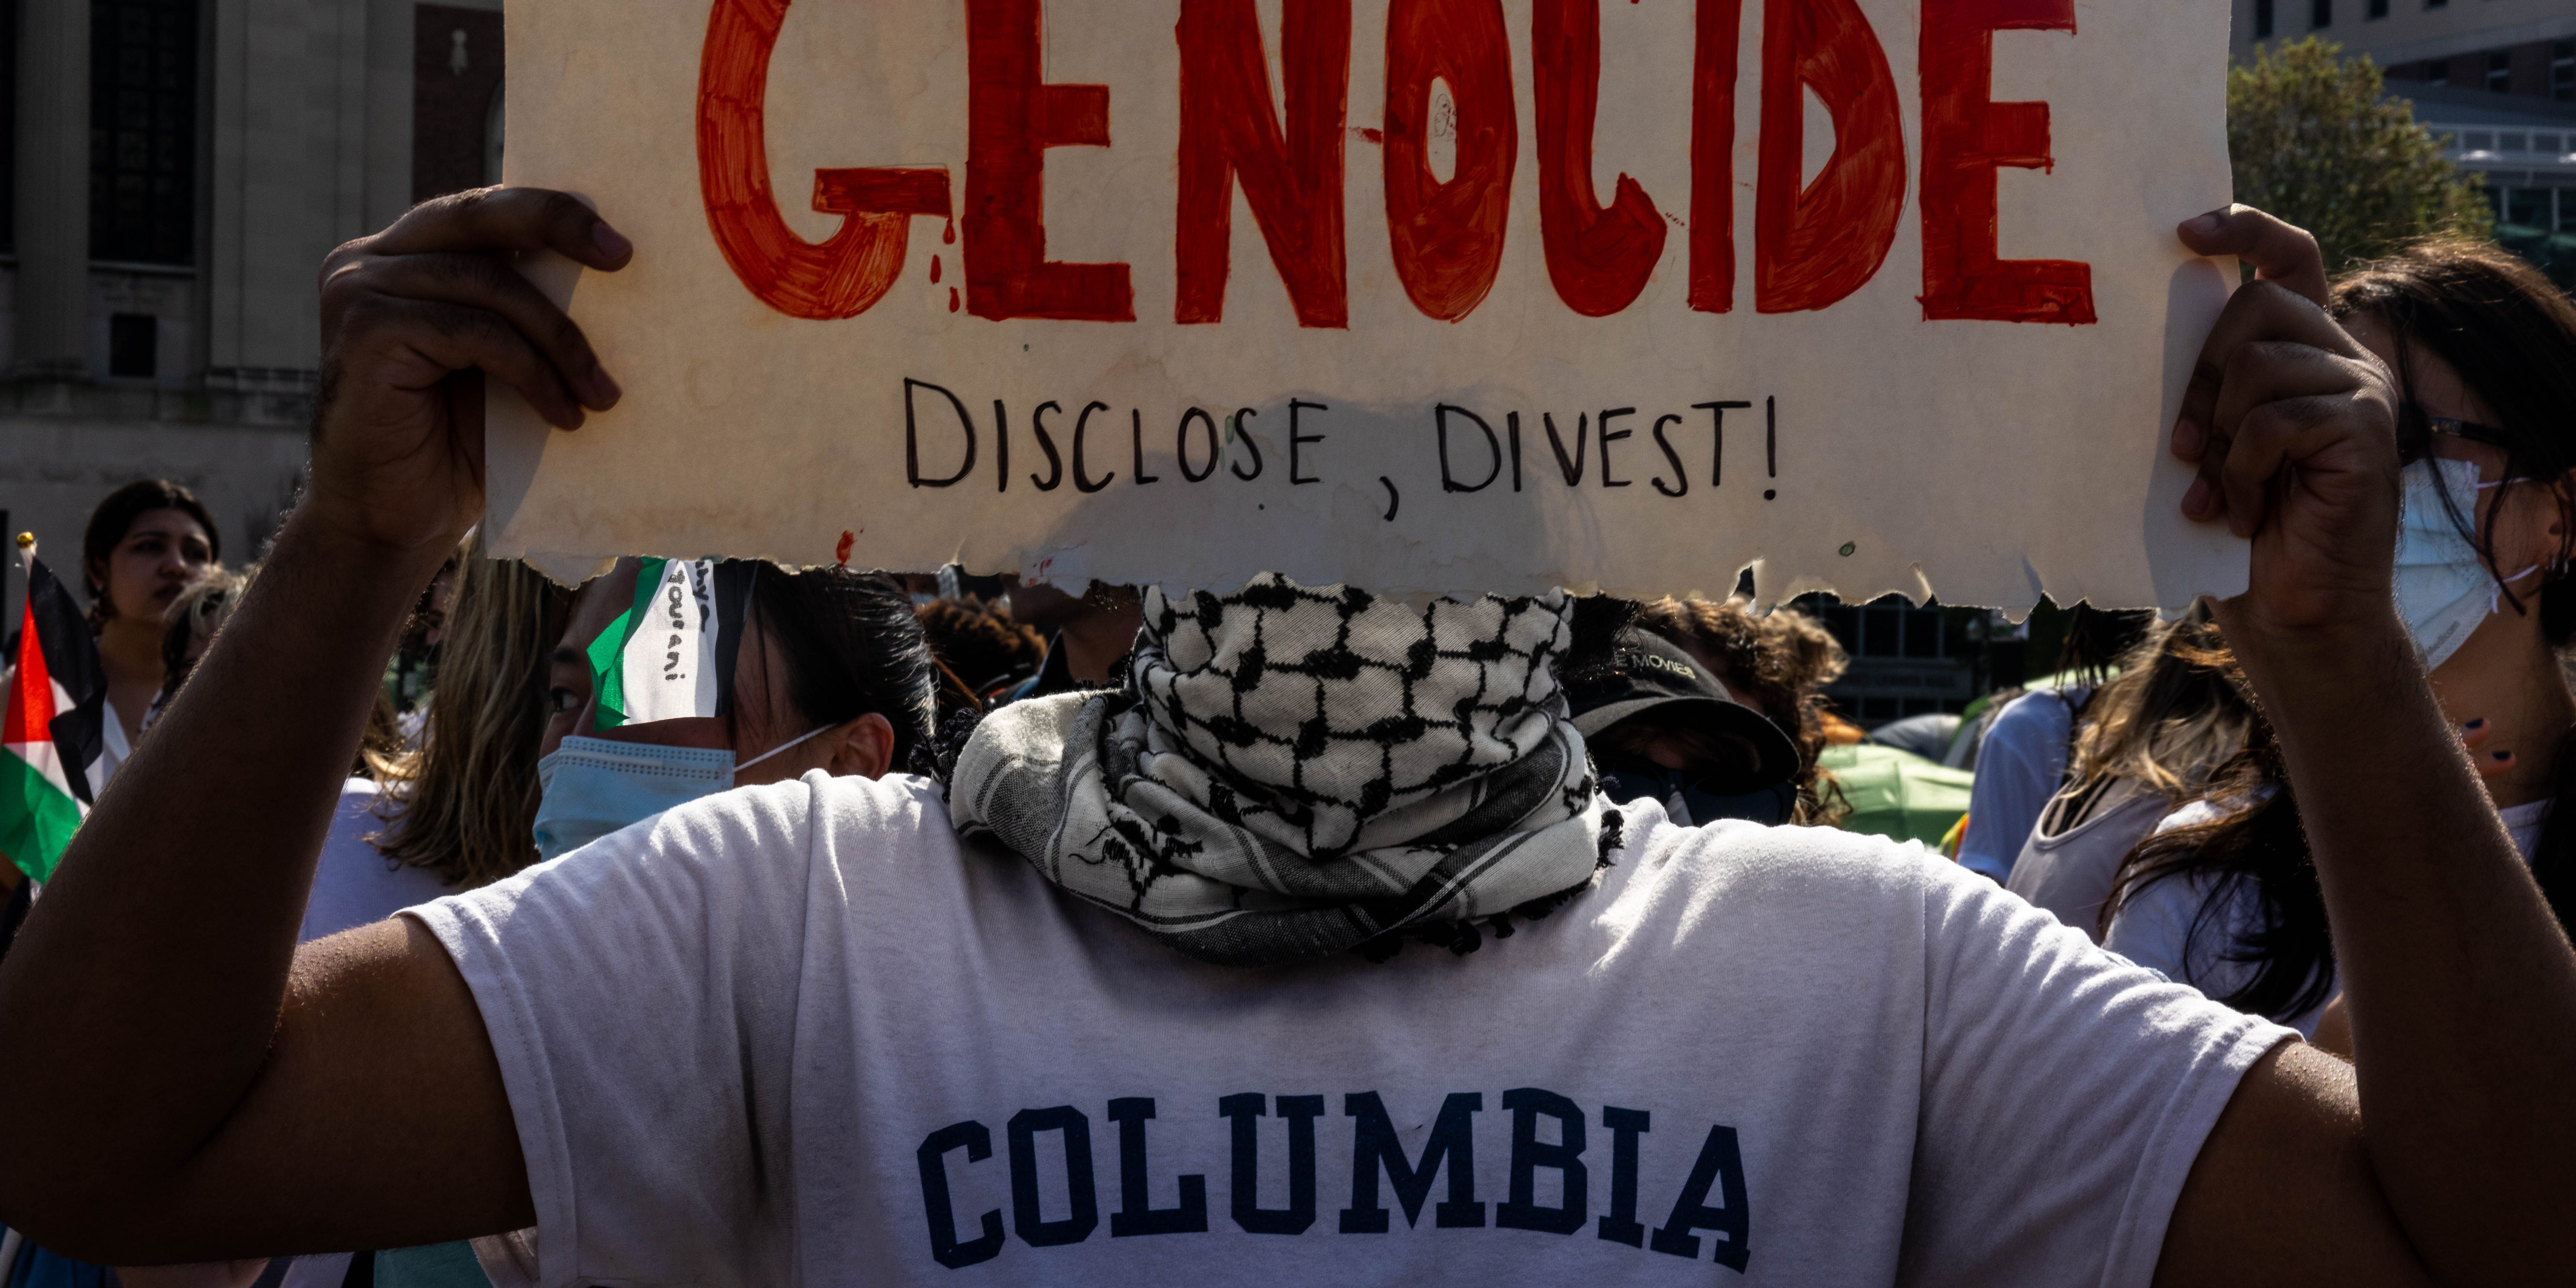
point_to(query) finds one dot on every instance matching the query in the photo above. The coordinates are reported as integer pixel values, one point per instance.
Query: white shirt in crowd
(802, 1034)
(2161, 927)
(2019, 766)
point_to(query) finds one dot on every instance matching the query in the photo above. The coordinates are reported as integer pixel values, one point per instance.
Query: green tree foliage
(2313, 142)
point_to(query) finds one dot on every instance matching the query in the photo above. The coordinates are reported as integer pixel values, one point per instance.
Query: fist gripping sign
(1430, 295)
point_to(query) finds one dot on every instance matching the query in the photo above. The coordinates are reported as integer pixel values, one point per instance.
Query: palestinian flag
(658, 659)
(54, 730)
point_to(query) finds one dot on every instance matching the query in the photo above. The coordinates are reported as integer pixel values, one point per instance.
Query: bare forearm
(2460, 989)
(140, 1001)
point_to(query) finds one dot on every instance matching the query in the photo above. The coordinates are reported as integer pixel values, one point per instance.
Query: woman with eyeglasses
(2223, 895)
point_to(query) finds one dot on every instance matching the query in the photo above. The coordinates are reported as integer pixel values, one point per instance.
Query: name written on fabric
(1552, 1149)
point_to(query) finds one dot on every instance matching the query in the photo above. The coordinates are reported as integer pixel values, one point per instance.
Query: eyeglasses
(2416, 430)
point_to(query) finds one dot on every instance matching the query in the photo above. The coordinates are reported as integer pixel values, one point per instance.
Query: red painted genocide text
(1814, 243)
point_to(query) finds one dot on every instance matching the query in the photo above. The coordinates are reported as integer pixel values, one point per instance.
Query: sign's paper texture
(1426, 295)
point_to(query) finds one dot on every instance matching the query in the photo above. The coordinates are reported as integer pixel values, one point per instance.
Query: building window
(133, 345)
(143, 131)
(2437, 4)
(2262, 19)
(2562, 71)
(2378, 8)
(2320, 14)
(2437, 71)
(2527, 207)
(2499, 71)
(8, 128)
(455, 98)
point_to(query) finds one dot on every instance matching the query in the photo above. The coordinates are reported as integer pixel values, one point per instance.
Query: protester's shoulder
(2190, 815)
(796, 807)
(2156, 922)
(2208, 809)
(2039, 713)
(1748, 864)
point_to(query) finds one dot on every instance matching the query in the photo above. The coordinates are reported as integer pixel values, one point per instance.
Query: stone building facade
(176, 170)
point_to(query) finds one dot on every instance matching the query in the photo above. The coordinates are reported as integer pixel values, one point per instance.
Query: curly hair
(978, 642)
(1779, 663)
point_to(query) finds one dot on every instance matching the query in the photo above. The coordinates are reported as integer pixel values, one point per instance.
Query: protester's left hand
(2293, 425)
(413, 318)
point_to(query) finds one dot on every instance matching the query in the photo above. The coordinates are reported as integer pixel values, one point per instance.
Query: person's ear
(2562, 508)
(2550, 525)
(861, 748)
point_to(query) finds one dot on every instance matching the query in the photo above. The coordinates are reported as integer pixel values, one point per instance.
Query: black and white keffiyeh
(1292, 772)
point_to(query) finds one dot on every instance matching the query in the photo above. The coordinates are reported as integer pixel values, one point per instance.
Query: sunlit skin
(162, 551)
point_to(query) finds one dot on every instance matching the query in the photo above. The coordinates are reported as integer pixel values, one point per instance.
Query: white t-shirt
(2019, 766)
(355, 884)
(2155, 928)
(798, 1034)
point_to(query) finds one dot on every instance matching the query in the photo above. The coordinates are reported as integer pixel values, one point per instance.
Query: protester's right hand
(413, 318)
(2293, 425)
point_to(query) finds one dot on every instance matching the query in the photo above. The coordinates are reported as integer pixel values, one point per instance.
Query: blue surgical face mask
(591, 787)
(2444, 589)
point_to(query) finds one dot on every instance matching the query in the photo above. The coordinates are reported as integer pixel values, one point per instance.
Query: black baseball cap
(1648, 673)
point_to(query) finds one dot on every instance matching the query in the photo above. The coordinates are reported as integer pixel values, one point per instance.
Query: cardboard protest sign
(1428, 295)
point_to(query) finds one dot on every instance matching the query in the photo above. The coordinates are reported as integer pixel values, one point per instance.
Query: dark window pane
(2320, 14)
(2378, 8)
(1922, 633)
(2527, 206)
(133, 345)
(1882, 633)
(1876, 709)
(2262, 19)
(2499, 71)
(143, 131)
(1844, 621)
(8, 126)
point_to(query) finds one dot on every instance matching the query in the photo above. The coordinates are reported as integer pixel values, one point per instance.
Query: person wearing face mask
(1778, 663)
(1660, 727)
(821, 669)
(830, 1031)
(504, 780)
(2223, 895)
